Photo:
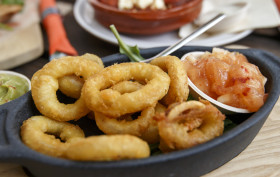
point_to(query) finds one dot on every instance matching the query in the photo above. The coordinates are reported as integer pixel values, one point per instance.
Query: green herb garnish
(5, 27)
(228, 125)
(133, 53)
(18, 2)
(190, 98)
(155, 149)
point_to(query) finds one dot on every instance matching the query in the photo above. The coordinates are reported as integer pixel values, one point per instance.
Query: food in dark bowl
(12, 86)
(147, 21)
(227, 77)
(194, 161)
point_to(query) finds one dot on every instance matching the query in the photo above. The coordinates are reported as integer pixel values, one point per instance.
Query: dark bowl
(191, 162)
(146, 22)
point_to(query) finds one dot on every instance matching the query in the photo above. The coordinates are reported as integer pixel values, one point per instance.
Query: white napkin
(258, 14)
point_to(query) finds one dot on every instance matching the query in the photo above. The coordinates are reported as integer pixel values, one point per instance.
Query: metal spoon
(188, 38)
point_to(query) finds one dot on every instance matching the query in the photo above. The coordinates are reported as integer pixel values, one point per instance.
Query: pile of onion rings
(39, 133)
(128, 102)
(100, 98)
(143, 126)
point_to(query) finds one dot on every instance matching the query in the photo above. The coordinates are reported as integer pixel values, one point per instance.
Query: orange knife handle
(278, 4)
(58, 41)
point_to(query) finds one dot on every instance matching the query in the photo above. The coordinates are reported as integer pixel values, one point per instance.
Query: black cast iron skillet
(191, 162)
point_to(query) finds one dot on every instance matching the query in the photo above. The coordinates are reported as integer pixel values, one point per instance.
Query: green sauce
(12, 87)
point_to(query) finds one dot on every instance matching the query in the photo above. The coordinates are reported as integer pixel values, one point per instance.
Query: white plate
(84, 14)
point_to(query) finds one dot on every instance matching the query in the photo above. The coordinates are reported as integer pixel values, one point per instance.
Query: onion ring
(151, 134)
(187, 124)
(39, 133)
(108, 147)
(72, 85)
(94, 58)
(127, 87)
(178, 90)
(111, 103)
(143, 126)
(44, 85)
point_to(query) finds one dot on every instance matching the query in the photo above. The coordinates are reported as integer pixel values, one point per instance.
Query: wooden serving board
(21, 47)
(261, 158)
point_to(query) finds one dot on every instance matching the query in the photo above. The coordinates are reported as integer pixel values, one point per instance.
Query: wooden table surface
(261, 158)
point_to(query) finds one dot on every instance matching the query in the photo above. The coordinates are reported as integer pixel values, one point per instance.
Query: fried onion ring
(72, 85)
(108, 147)
(187, 124)
(44, 85)
(178, 90)
(151, 134)
(127, 87)
(113, 104)
(94, 58)
(143, 126)
(39, 133)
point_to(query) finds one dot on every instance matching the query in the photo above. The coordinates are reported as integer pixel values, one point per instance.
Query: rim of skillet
(249, 122)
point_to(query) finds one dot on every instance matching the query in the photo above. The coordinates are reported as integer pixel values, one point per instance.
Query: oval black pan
(191, 162)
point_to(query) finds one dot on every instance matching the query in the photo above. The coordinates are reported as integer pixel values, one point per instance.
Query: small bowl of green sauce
(12, 86)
